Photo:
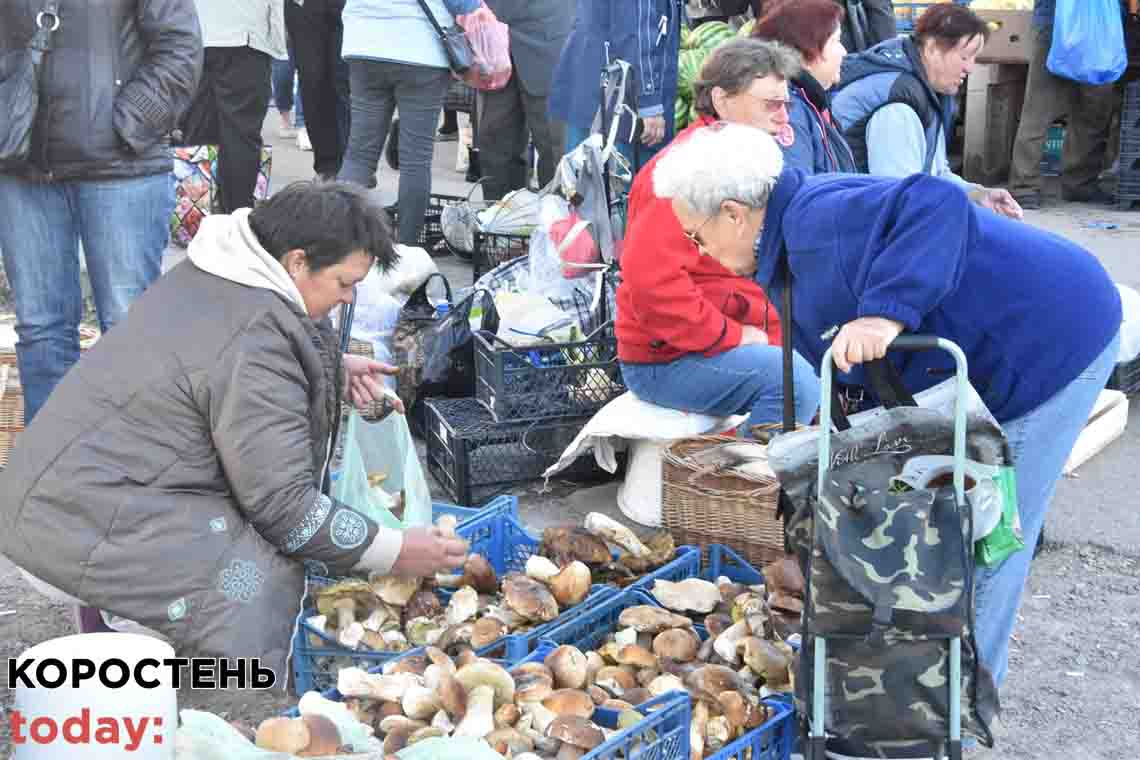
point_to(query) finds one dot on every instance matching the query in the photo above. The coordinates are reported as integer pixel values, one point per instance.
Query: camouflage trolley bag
(888, 665)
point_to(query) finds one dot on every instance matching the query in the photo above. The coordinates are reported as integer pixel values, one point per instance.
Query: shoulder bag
(20, 72)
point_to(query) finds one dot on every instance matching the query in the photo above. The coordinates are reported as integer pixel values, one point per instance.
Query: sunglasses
(771, 105)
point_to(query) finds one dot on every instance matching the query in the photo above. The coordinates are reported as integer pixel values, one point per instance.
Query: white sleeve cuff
(381, 554)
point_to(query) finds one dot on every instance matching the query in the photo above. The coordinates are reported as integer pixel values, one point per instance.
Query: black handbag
(20, 72)
(460, 56)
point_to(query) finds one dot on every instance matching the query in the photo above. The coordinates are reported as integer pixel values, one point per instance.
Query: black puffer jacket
(119, 75)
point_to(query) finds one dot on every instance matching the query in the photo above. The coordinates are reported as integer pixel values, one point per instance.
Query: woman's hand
(653, 130)
(863, 340)
(999, 201)
(427, 551)
(363, 386)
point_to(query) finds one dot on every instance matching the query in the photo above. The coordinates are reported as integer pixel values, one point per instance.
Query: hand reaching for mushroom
(363, 384)
(427, 551)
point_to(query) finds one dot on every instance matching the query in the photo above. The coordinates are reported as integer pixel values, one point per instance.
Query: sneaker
(1087, 194)
(90, 620)
(303, 140)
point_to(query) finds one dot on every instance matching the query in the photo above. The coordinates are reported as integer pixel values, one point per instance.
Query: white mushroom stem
(611, 530)
(354, 682)
(374, 621)
(626, 636)
(480, 717)
(351, 635)
(540, 716)
(420, 703)
(726, 643)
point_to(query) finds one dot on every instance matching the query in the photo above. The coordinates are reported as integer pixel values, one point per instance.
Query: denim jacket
(645, 33)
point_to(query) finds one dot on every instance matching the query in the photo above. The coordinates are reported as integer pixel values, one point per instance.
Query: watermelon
(680, 114)
(707, 36)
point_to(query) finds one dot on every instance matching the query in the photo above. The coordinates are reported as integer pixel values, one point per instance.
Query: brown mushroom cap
(568, 665)
(423, 603)
(507, 715)
(530, 668)
(415, 663)
(569, 702)
(487, 631)
(636, 656)
(708, 681)
(716, 623)
(324, 736)
(452, 696)
(477, 572)
(620, 674)
(282, 735)
(533, 687)
(647, 618)
(567, 544)
(637, 696)
(529, 598)
(575, 730)
(572, 585)
(784, 575)
(679, 644)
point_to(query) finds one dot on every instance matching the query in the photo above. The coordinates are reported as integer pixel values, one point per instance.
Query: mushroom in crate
(590, 545)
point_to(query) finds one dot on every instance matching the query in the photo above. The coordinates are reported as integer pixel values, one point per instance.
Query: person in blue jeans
(647, 35)
(871, 257)
(287, 96)
(99, 174)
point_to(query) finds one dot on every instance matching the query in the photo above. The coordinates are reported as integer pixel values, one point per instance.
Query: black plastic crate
(494, 248)
(1126, 377)
(474, 458)
(432, 233)
(547, 381)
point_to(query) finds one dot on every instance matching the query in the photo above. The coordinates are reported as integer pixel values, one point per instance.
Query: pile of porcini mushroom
(393, 614)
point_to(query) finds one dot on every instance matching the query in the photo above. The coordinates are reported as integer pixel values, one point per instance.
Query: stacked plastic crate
(1128, 185)
(531, 402)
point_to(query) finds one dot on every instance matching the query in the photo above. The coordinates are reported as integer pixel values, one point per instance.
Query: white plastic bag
(1130, 324)
(528, 318)
(413, 268)
(515, 214)
(545, 266)
(374, 318)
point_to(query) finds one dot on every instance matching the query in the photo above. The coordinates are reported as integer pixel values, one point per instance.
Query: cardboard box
(1012, 39)
(1106, 423)
(994, 94)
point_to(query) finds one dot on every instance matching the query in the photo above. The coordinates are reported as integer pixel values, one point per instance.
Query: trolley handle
(902, 343)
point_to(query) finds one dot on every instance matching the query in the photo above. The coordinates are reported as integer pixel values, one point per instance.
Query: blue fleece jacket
(1031, 310)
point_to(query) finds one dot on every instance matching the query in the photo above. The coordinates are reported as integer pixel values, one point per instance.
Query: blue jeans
(124, 226)
(1041, 441)
(286, 89)
(744, 380)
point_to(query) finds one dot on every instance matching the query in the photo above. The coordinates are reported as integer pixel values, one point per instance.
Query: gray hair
(719, 163)
(734, 65)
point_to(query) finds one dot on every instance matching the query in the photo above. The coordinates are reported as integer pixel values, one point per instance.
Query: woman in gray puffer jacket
(118, 76)
(397, 61)
(179, 475)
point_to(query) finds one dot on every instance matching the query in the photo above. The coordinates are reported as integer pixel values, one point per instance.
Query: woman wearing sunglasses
(813, 141)
(694, 334)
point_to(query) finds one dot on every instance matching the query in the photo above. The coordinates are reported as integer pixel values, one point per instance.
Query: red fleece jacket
(672, 300)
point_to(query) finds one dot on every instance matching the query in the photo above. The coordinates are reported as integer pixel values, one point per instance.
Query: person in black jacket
(867, 23)
(118, 77)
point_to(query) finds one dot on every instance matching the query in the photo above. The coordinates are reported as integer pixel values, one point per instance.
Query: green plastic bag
(1005, 539)
(383, 448)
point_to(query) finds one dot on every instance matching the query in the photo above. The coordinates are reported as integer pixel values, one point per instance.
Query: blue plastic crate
(662, 735)
(686, 563)
(724, 561)
(772, 740)
(500, 538)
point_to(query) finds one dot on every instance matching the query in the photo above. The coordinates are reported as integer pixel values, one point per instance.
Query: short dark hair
(947, 24)
(737, 63)
(805, 25)
(328, 221)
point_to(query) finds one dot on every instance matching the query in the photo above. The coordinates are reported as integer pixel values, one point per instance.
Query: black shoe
(1029, 200)
(447, 135)
(474, 173)
(1087, 194)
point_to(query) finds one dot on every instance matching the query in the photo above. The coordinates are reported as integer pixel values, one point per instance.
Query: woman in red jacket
(693, 335)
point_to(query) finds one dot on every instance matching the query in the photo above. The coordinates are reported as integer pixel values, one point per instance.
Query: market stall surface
(1074, 683)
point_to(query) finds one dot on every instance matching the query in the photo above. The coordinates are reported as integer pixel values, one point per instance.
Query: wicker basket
(702, 507)
(11, 408)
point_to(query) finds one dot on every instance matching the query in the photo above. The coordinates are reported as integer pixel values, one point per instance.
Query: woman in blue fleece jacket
(870, 257)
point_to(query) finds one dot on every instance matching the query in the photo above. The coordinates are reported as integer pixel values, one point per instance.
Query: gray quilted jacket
(174, 476)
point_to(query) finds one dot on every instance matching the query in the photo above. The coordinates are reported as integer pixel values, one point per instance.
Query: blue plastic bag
(1088, 41)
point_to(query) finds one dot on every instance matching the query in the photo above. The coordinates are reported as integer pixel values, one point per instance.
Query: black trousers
(228, 111)
(316, 30)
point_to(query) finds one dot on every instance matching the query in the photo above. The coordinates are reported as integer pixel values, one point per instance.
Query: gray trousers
(505, 117)
(1088, 111)
(377, 89)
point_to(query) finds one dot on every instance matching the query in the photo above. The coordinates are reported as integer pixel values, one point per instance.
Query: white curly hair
(718, 163)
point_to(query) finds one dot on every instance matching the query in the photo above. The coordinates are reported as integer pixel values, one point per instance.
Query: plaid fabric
(195, 169)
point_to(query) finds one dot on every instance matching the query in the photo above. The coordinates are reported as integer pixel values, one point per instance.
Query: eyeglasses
(694, 237)
(771, 105)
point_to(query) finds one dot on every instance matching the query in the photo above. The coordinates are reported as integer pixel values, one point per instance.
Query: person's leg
(419, 96)
(283, 88)
(125, 226)
(1047, 98)
(242, 97)
(373, 102)
(40, 245)
(1041, 441)
(450, 126)
(1086, 142)
(549, 137)
(745, 380)
(502, 139)
(341, 86)
(317, 51)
